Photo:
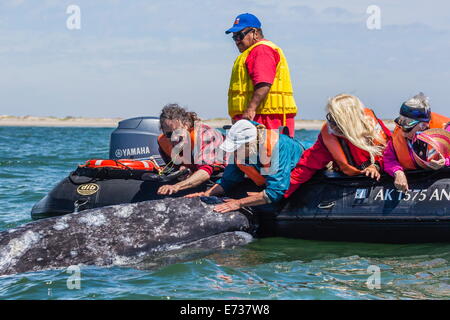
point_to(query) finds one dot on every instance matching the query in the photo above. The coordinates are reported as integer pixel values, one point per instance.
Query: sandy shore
(32, 121)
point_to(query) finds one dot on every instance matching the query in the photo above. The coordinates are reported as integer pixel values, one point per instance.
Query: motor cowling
(135, 138)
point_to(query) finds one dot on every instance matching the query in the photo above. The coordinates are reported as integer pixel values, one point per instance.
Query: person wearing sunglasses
(415, 117)
(187, 143)
(260, 85)
(352, 139)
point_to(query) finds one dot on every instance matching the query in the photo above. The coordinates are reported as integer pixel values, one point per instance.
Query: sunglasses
(175, 139)
(331, 120)
(407, 127)
(241, 35)
(168, 134)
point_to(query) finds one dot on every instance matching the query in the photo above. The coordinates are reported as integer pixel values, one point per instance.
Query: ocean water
(34, 159)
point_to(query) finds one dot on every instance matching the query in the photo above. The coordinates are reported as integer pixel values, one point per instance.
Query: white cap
(241, 132)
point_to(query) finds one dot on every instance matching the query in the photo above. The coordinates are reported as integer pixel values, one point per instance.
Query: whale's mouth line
(212, 235)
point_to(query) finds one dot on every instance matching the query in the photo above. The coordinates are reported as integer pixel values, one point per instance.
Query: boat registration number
(410, 195)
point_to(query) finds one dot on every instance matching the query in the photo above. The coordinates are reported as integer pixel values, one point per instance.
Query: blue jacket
(289, 153)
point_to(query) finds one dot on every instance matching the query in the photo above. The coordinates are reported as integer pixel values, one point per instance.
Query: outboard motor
(90, 187)
(135, 138)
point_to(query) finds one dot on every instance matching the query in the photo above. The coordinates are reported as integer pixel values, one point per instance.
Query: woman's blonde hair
(348, 113)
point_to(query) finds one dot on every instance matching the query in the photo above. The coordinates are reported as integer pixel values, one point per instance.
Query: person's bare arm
(259, 94)
(254, 199)
(214, 190)
(194, 180)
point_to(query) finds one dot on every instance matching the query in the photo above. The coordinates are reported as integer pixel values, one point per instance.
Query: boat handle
(79, 203)
(326, 205)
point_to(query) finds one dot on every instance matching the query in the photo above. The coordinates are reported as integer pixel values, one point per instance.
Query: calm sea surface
(33, 160)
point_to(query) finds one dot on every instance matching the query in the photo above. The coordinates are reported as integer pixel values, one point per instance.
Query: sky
(131, 57)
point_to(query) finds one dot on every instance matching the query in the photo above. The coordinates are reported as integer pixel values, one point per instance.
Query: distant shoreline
(33, 121)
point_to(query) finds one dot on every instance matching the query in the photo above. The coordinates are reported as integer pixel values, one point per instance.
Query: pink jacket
(391, 163)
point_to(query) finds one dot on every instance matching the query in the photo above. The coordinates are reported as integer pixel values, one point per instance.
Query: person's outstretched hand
(227, 206)
(400, 182)
(168, 189)
(372, 172)
(437, 164)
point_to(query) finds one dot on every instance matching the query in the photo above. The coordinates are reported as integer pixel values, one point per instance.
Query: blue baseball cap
(243, 21)
(419, 114)
(411, 116)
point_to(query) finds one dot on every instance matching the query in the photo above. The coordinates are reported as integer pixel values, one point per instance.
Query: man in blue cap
(260, 85)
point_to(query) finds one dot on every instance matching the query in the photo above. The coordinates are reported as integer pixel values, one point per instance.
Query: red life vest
(401, 145)
(333, 145)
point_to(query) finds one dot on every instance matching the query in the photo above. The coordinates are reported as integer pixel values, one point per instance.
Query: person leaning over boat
(277, 156)
(353, 138)
(415, 116)
(260, 85)
(189, 143)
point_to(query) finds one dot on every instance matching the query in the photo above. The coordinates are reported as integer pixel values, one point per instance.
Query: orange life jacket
(401, 145)
(335, 148)
(251, 172)
(166, 146)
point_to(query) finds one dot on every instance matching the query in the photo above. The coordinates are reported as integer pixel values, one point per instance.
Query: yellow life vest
(280, 99)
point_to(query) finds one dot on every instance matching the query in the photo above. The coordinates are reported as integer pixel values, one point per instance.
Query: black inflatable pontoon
(331, 206)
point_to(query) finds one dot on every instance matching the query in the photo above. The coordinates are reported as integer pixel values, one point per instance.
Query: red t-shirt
(262, 64)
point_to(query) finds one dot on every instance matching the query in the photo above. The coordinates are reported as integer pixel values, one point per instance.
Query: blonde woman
(353, 138)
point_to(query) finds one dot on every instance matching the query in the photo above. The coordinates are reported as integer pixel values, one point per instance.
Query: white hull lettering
(435, 195)
(387, 195)
(410, 195)
(379, 195)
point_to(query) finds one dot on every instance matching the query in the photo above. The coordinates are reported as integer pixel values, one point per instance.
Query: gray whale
(122, 234)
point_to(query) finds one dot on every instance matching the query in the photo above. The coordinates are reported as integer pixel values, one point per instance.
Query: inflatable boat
(331, 206)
